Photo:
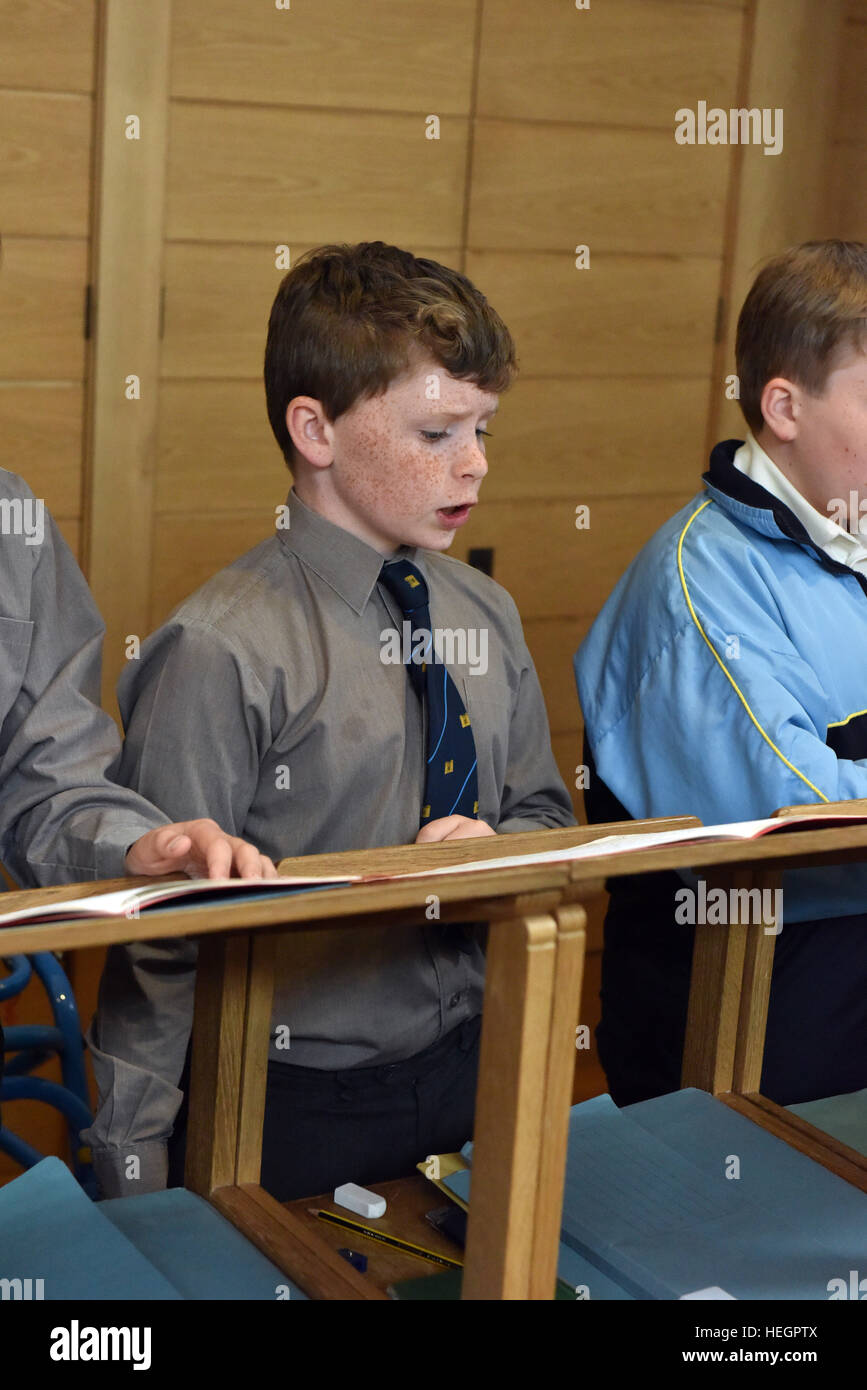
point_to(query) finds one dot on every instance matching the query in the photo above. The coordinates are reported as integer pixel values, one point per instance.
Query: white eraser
(359, 1200)
(713, 1291)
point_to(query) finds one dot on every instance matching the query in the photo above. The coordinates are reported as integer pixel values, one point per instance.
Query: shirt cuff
(111, 848)
(132, 1170)
(516, 825)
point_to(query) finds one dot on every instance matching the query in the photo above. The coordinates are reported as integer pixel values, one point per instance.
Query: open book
(132, 902)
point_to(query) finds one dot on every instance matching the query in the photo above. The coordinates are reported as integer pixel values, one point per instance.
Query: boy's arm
(534, 796)
(721, 736)
(60, 818)
(193, 714)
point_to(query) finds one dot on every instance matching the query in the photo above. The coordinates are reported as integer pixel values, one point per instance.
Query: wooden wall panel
(216, 449)
(128, 203)
(397, 55)
(40, 430)
(45, 163)
(556, 570)
(625, 316)
(575, 438)
(851, 122)
(545, 187)
(847, 182)
(849, 190)
(628, 63)
(42, 310)
(217, 302)
(247, 173)
(47, 45)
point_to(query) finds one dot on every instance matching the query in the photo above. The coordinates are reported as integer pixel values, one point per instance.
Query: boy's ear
(310, 431)
(780, 404)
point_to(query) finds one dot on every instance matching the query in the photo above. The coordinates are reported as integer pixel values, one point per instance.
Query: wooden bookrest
(728, 1011)
(532, 993)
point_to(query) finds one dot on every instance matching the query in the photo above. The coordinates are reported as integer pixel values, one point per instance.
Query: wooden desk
(731, 970)
(531, 1006)
(527, 1053)
(408, 1200)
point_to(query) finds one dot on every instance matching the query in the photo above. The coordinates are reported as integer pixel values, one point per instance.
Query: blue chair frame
(32, 1044)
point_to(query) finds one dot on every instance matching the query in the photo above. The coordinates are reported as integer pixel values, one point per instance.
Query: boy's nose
(473, 463)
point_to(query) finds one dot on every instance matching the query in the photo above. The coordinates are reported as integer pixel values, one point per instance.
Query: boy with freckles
(271, 701)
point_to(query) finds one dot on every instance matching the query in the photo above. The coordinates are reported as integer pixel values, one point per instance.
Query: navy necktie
(451, 785)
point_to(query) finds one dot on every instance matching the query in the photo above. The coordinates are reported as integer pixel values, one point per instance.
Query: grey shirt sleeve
(192, 692)
(61, 819)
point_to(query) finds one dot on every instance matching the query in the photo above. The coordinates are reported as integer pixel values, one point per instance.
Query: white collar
(838, 543)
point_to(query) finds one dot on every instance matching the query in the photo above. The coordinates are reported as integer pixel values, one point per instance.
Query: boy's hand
(453, 828)
(199, 848)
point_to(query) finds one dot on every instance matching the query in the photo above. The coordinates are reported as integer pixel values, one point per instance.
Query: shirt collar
(348, 564)
(838, 543)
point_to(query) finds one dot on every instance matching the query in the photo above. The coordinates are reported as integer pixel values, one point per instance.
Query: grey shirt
(61, 819)
(265, 703)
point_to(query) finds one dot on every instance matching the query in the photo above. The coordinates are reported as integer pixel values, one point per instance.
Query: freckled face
(831, 444)
(407, 469)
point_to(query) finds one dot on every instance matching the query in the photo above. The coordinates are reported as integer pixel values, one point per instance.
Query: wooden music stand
(728, 1013)
(535, 956)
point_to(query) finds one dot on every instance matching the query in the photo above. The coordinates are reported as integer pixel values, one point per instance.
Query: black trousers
(363, 1125)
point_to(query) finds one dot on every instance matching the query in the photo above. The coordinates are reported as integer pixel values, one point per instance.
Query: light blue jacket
(726, 675)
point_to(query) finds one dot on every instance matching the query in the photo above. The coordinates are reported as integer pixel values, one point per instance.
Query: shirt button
(455, 1000)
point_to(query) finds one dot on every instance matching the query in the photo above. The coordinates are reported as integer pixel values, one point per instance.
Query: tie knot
(406, 583)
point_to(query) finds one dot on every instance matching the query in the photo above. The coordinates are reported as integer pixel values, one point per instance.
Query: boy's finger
(218, 859)
(248, 861)
(437, 829)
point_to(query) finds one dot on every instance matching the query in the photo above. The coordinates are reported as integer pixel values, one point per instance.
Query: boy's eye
(444, 434)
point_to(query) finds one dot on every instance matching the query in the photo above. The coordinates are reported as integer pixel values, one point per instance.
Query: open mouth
(455, 516)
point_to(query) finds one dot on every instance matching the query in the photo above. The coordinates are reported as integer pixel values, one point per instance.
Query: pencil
(408, 1246)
